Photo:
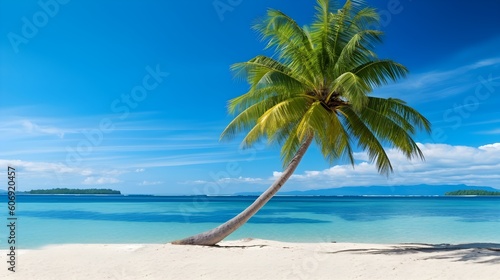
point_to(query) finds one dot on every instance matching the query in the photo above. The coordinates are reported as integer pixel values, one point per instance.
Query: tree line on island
(73, 191)
(472, 192)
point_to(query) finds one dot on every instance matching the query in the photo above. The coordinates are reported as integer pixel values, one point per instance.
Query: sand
(256, 259)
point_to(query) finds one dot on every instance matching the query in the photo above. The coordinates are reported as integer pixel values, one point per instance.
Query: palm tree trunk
(215, 235)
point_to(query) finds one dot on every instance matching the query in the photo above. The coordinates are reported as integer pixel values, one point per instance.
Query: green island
(73, 191)
(472, 192)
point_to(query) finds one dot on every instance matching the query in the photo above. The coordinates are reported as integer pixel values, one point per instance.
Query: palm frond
(286, 112)
(353, 88)
(380, 72)
(290, 41)
(367, 140)
(356, 51)
(248, 117)
(402, 114)
(262, 66)
(290, 146)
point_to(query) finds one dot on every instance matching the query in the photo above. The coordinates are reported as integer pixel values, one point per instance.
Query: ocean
(58, 219)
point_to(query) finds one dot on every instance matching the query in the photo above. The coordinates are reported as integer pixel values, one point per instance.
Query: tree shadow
(238, 246)
(468, 252)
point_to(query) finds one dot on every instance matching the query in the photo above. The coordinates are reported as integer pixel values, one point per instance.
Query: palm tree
(316, 87)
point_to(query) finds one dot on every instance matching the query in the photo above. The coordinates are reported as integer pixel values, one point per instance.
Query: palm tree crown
(318, 84)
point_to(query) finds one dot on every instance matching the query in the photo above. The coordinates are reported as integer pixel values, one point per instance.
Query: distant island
(424, 190)
(472, 192)
(74, 191)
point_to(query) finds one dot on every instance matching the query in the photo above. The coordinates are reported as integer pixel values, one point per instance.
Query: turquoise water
(52, 219)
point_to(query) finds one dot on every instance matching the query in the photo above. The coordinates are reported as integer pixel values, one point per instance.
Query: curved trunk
(215, 235)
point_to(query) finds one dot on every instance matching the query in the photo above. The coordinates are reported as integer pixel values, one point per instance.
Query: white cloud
(139, 170)
(150, 183)
(47, 169)
(100, 180)
(490, 147)
(444, 164)
(228, 180)
(198, 182)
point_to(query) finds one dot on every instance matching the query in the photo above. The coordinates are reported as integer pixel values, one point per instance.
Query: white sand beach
(257, 259)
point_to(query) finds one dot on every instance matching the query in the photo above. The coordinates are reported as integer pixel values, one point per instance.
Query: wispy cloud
(31, 127)
(442, 83)
(482, 122)
(100, 181)
(150, 183)
(147, 142)
(486, 62)
(495, 131)
(189, 159)
(228, 180)
(23, 124)
(30, 167)
(34, 170)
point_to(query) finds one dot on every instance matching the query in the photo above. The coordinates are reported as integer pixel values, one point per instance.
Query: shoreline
(257, 259)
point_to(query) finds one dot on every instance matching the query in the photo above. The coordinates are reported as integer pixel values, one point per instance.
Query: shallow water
(57, 219)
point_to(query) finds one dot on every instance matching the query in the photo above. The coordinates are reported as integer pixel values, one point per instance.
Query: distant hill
(384, 190)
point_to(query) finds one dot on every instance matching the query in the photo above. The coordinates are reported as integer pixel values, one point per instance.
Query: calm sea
(57, 219)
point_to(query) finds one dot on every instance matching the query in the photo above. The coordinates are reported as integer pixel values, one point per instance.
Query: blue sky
(132, 95)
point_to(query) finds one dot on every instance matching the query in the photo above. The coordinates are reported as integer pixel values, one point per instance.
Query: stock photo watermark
(310, 264)
(393, 7)
(470, 104)
(224, 6)
(122, 106)
(11, 218)
(31, 25)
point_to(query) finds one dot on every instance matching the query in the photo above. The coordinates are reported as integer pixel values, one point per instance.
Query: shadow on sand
(468, 252)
